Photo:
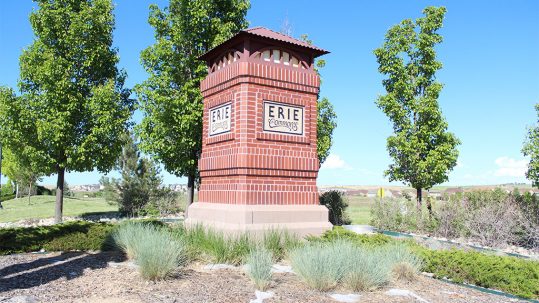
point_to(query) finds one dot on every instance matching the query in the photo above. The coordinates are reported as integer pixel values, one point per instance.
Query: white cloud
(509, 167)
(335, 162)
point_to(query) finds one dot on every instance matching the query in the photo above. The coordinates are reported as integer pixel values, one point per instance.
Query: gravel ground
(98, 277)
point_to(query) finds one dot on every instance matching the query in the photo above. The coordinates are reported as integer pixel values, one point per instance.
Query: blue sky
(491, 76)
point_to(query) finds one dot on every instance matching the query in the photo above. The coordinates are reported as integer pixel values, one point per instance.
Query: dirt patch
(98, 277)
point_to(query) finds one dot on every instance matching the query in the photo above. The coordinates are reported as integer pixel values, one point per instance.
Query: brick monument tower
(259, 163)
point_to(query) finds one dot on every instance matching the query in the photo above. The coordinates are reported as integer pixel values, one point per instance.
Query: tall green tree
(327, 117)
(171, 130)
(423, 151)
(531, 149)
(22, 169)
(73, 106)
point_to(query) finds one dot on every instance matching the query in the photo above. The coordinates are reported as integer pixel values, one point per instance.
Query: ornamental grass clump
(279, 242)
(405, 265)
(157, 253)
(322, 265)
(128, 236)
(369, 269)
(259, 263)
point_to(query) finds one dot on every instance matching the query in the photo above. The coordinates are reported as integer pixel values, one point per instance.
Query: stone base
(302, 220)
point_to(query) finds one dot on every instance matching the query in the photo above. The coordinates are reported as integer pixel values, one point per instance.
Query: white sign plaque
(220, 119)
(283, 118)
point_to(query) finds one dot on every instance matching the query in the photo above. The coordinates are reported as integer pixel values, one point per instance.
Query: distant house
(371, 193)
(396, 193)
(454, 190)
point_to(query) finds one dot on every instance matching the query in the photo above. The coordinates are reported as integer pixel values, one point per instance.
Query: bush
(513, 275)
(77, 235)
(7, 189)
(336, 204)
(339, 233)
(322, 265)
(397, 215)
(43, 191)
(492, 218)
(7, 197)
(259, 262)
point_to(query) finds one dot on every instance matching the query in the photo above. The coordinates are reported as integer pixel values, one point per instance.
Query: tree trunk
(190, 193)
(17, 190)
(419, 197)
(29, 192)
(58, 211)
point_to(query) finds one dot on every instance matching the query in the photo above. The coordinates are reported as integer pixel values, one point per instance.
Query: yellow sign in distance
(380, 193)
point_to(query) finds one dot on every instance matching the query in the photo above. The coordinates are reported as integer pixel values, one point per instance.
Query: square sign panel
(283, 118)
(220, 119)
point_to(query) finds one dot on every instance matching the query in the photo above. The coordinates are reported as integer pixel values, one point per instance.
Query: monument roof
(265, 33)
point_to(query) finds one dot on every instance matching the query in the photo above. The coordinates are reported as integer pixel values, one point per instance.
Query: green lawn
(43, 207)
(359, 209)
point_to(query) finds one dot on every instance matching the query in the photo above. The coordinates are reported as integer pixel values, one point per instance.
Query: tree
(73, 106)
(327, 118)
(171, 129)
(22, 169)
(140, 186)
(422, 149)
(531, 149)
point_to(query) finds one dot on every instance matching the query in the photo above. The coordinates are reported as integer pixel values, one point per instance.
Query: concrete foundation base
(302, 220)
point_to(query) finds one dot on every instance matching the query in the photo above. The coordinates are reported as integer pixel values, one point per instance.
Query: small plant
(260, 261)
(405, 265)
(159, 255)
(369, 269)
(279, 242)
(322, 265)
(128, 236)
(153, 248)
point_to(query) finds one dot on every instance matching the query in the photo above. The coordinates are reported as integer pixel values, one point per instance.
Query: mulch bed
(97, 277)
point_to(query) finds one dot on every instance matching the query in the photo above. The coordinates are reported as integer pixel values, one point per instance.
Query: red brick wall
(248, 165)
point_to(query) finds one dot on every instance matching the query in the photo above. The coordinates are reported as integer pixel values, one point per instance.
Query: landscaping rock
(218, 266)
(404, 293)
(349, 298)
(280, 269)
(261, 296)
(20, 299)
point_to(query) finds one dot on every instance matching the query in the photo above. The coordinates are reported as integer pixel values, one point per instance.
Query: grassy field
(43, 207)
(359, 209)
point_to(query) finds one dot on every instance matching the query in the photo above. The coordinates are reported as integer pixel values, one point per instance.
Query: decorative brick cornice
(267, 74)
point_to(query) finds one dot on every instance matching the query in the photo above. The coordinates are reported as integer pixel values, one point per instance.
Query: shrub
(7, 197)
(397, 214)
(513, 275)
(77, 235)
(339, 233)
(259, 262)
(322, 265)
(93, 239)
(336, 204)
